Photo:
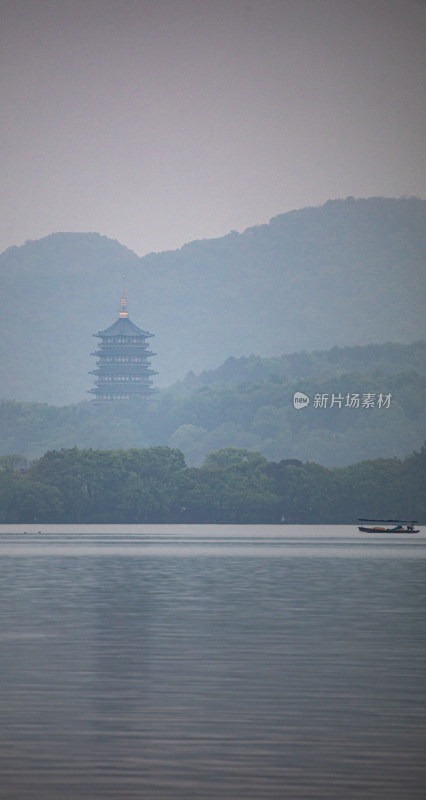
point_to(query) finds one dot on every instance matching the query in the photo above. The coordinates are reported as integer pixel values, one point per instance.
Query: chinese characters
(352, 400)
(348, 400)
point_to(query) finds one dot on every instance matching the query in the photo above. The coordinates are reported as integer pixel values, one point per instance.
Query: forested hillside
(364, 403)
(232, 486)
(350, 272)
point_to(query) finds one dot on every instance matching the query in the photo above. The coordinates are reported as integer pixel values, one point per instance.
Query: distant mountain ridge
(390, 359)
(351, 272)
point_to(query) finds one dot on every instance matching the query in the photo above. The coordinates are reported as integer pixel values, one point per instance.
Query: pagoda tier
(123, 369)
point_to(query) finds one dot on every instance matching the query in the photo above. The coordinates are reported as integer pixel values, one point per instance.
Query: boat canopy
(394, 521)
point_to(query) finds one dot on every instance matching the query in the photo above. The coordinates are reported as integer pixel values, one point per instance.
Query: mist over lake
(213, 364)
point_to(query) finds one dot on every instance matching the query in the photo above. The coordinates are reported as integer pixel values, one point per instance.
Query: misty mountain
(351, 272)
(248, 403)
(388, 359)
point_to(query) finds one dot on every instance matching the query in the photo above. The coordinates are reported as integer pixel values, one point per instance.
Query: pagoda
(123, 369)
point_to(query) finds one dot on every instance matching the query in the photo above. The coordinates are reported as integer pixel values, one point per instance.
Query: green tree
(231, 487)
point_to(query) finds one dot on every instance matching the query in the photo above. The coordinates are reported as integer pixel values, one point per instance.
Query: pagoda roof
(123, 326)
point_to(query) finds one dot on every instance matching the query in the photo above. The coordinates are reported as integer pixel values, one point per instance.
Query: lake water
(211, 663)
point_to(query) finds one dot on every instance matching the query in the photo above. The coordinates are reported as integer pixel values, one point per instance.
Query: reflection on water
(147, 663)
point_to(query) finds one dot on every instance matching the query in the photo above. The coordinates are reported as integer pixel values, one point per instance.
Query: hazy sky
(156, 122)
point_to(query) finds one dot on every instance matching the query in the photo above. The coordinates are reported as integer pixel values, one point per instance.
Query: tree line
(233, 485)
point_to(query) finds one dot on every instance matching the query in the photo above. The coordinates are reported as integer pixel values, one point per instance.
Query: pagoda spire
(123, 303)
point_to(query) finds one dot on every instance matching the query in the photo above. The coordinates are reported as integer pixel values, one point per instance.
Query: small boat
(398, 526)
